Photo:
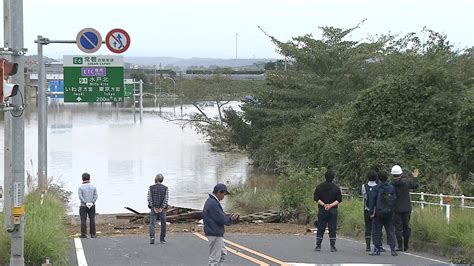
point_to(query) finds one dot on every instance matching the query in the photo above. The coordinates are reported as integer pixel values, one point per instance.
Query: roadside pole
(15, 154)
(141, 101)
(42, 121)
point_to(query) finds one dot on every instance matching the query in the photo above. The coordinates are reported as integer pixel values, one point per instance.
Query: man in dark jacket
(158, 203)
(382, 214)
(328, 196)
(403, 208)
(214, 220)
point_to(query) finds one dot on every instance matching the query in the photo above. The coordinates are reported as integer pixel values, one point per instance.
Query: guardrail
(445, 201)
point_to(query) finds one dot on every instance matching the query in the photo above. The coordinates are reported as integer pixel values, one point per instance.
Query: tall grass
(4, 243)
(351, 218)
(259, 193)
(45, 231)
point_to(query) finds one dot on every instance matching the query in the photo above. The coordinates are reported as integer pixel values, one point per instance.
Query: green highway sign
(89, 78)
(129, 88)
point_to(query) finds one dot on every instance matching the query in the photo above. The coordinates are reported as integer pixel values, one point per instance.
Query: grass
(259, 193)
(351, 218)
(45, 232)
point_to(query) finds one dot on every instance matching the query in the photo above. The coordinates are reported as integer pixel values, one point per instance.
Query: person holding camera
(214, 221)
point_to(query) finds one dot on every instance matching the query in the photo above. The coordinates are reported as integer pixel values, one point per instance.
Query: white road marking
(406, 253)
(81, 257)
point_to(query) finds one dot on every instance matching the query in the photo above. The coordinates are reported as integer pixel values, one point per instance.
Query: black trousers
(84, 212)
(402, 224)
(329, 219)
(368, 224)
(379, 222)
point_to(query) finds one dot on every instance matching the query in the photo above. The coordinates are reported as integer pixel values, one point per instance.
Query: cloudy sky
(208, 28)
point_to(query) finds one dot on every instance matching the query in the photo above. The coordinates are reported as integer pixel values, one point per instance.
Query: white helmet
(396, 170)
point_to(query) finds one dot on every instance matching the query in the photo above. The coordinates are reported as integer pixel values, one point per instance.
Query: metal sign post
(42, 121)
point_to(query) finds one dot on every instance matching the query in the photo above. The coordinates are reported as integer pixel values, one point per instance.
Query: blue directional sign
(56, 87)
(89, 40)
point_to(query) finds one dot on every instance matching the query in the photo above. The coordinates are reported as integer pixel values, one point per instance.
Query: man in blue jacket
(214, 220)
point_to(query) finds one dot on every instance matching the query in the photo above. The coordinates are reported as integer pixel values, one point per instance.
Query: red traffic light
(9, 69)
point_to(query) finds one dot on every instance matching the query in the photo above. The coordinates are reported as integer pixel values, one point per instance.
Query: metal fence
(445, 201)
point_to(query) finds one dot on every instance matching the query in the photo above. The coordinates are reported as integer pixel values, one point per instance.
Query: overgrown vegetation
(45, 231)
(258, 193)
(351, 105)
(429, 225)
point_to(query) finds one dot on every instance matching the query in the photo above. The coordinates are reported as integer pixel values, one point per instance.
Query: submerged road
(192, 249)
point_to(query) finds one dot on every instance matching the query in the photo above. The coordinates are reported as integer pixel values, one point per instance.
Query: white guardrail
(446, 201)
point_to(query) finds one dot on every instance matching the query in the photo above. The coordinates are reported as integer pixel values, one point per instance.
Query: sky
(208, 28)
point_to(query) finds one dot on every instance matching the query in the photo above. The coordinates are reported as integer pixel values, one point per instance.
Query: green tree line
(353, 105)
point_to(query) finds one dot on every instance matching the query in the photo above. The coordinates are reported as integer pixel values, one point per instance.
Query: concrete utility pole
(15, 134)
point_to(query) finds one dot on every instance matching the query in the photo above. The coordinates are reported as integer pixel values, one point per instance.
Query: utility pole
(15, 134)
(236, 35)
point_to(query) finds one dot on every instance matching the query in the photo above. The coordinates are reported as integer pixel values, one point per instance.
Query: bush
(45, 232)
(297, 189)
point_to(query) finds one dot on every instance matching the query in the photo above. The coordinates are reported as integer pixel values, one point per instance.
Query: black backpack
(385, 202)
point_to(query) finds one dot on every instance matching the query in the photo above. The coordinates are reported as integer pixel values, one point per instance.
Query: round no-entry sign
(117, 40)
(89, 40)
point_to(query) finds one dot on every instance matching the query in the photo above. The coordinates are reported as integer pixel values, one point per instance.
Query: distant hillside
(186, 63)
(181, 63)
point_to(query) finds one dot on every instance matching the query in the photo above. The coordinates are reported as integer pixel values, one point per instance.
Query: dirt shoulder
(108, 224)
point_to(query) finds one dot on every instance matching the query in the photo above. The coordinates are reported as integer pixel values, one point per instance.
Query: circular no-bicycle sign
(117, 40)
(89, 40)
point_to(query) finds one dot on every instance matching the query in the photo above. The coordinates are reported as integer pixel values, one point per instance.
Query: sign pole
(42, 121)
(141, 101)
(13, 29)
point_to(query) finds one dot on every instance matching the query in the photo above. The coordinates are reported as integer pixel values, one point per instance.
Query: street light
(174, 89)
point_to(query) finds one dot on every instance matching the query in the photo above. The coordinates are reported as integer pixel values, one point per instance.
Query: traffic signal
(7, 69)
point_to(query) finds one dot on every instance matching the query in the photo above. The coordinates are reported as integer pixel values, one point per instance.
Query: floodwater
(123, 156)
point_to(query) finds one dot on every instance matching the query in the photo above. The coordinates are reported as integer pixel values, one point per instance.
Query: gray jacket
(87, 193)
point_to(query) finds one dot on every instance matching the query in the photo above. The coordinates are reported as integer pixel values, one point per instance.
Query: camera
(9, 90)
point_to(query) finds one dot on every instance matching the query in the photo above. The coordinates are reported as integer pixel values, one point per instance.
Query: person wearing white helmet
(403, 208)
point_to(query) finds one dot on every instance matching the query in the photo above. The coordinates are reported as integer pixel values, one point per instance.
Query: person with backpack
(367, 192)
(381, 210)
(402, 212)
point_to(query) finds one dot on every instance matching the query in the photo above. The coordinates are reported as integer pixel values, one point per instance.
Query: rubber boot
(333, 245)
(367, 242)
(405, 243)
(318, 244)
(399, 244)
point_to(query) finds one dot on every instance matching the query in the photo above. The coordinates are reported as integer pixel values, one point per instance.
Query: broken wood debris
(178, 214)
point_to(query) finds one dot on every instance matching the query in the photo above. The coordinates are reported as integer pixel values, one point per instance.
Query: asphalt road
(192, 249)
